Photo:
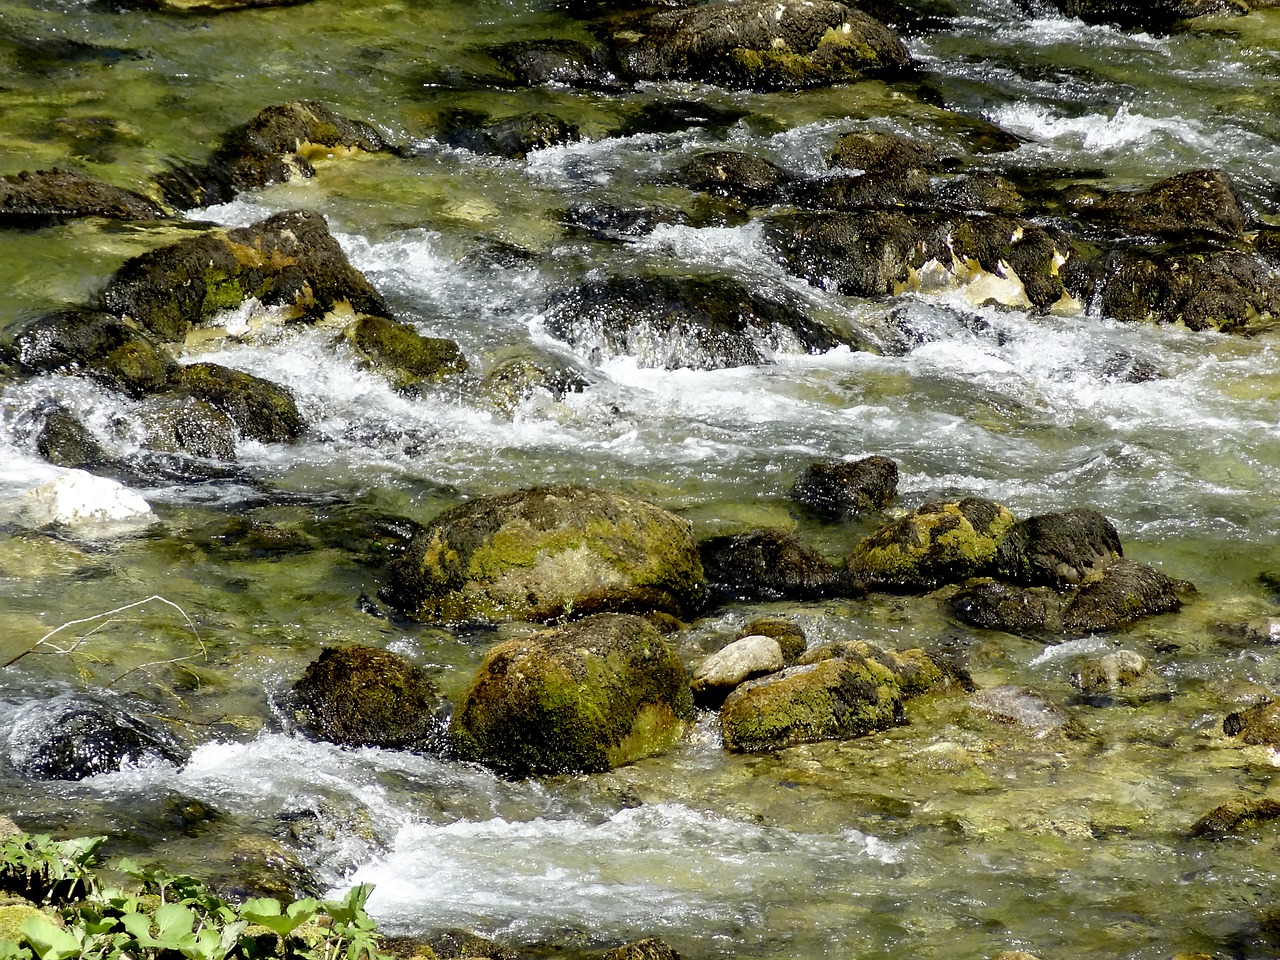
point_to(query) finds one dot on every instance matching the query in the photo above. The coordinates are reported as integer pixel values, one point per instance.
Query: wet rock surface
(838, 488)
(769, 565)
(40, 197)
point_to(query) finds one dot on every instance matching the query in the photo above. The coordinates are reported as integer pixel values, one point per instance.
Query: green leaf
(48, 940)
(350, 907)
(266, 911)
(174, 921)
(12, 951)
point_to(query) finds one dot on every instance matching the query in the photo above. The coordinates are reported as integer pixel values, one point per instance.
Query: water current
(952, 836)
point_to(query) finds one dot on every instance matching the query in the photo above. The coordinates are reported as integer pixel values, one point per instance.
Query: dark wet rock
(789, 634)
(673, 322)
(188, 426)
(875, 151)
(1110, 673)
(1156, 15)
(1126, 593)
(249, 538)
(289, 261)
(99, 345)
(914, 324)
(879, 252)
(1228, 291)
(1027, 711)
(73, 737)
(836, 694)
(839, 488)
(1024, 611)
(768, 565)
(65, 441)
(568, 63)
(361, 696)
(674, 116)
(940, 542)
(37, 198)
(585, 697)
(275, 146)
(510, 137)
(987, 192)
(760, 45)
(732, 665)
(370, 536)
(607, 222)
(649, 949)
(514, 381)
(868, 191)
(1236, 815)
(1199, 202)
(451, 944)
(1058, 549)
(752, 180)
(546, 552)
(403, 355)
(260, 409)
(1256, 725)
(201, 7)
(1263, 630)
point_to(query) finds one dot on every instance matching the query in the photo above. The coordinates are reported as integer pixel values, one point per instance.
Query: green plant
(169, 915)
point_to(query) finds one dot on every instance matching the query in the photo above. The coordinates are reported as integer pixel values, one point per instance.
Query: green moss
(13, 916)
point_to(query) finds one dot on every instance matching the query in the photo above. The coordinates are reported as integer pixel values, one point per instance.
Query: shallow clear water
(952, 836)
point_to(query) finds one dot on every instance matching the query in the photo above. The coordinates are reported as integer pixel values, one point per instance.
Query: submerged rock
(1110, 673)
(275, 146)
(585, 697)
(568, 63)
(940, 542)
(546, 552)
(37, 198)
(1158, 15)
(514, 381)
(674, 322)
(838, 488)
(260, 409)
(1026, 710)
(360, 696)
(73, 737)
(1258, 725)
(1237, 814)
(768, 565)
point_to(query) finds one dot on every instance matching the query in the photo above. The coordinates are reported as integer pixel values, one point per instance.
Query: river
(952, 836)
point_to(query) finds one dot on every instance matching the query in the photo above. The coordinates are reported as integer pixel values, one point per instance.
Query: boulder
(403, 355)
(187, 426)
(37, 198)
(289, 262)
(789, 634)
(275, 146)
(880, 190)
(733, 664)
(567, 63)
(648, 949)
(837, 694)
(672, 322)
(1058, 549)
(77, 498)
(940, 542)
(838, 488)
(759, 45)
(1160, 16)
(875, 151)
(1125, 593)
(1200, 202)
(1024, 611)
(1109, 673)
(585, 697)
(514, 381)
(768, 565)
(260, 409)
(100, 345)
(360, 696)
(917, 671)
(546, 552)
(749, 179)
(1258, 725)
(510, 137)
(605, 221)
(65, 441)
(1237, 814)
(70, 737)
(453, 944)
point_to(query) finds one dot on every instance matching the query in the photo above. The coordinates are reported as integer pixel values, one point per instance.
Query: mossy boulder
(361, 696)
(545, 552)
(289, 262)
(585, 697)
(789, 634)
(1058, 549)
(40, 197)
(749, 179)
(649, 949)
(1235, 815)
(916, 670)
(938, 543)
(835, 693)
(277, 145)
(1123, 594)
(1109, 673)
(99, 345)
(993, 605)
(879, 151)
(405, 356)
(12, 917)
(704, 323)
(65, 441)
(835, 489)
(768, 565)
(759, 45)
(566, 63)
(260, 409)
(1256, 725)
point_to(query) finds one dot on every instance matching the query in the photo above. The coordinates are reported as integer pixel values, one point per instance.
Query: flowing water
(953, 836)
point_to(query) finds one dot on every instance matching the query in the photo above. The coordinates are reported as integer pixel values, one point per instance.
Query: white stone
(78, 497)
(740, 660)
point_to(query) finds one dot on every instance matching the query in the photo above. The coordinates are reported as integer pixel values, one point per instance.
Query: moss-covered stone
(65, 441)
(1058, 549)
(289, 261)
(404, 355)
(1200, 202)
(362, 696)
(1124, 593)
(648, 949)
(13, 916)
(1155, 15)
(768, 565)
(97, 344)
(510, 137)
(789, 634)
(1258, 724)
(917, 672)
(261, 409)
(588, 696)
(547, 552)
(992, 605)
(941, 542)
(189, 427)
(1235, 815)
(738, 176)
(878, 151)
(36, 198)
